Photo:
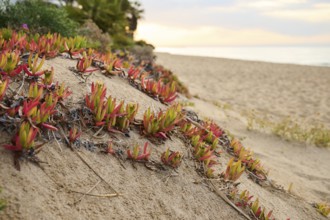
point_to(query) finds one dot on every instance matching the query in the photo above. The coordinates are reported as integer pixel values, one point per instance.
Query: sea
(304, 55)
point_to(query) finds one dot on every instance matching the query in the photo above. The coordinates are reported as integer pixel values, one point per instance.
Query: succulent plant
(24, 139)
(110, 63)
(134, 73)
(171, 158)
(137, 155)
(97, 96)
(259, 212)
(106, 110)
(246, 156)
(34, 67)
(74, 45)
(209, 172)
(74, 134)
(162, 123)
(323, 208)
(9, 63)
(84, 63)
(61, 92)
(49, 45)
(48, 77)
(165, 93)
(244, 199)
(35, 91)
(234, 170)
(3, 87)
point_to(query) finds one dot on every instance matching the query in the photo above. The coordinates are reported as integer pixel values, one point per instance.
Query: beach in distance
(275, 89)
(304, 55)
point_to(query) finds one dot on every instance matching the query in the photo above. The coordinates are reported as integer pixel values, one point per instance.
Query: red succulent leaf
(28, 107)
(257, 214)
(129, 154)
(48, 126)
(100, 123)
(270, 214)
(161, 135)
(12, 147)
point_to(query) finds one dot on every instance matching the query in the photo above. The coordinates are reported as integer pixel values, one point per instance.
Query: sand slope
(35, 193)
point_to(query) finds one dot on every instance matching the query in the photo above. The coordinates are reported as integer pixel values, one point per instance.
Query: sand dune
(166, 194)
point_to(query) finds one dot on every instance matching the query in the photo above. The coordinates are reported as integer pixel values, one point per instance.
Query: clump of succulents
(246, 156)
(159, 125)
(107, 112)
(171, 158)
(244, 200)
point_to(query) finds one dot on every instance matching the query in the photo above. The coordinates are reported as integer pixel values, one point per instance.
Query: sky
(169, 23)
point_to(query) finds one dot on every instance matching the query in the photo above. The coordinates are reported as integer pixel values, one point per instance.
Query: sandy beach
(275, 90)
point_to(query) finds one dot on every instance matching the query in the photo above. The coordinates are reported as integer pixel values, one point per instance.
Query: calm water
(318, 56)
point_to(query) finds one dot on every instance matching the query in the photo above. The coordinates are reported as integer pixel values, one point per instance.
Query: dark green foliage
(41, 17)
(143, 43)
(118, 18)
(121, 41)
(109, 15)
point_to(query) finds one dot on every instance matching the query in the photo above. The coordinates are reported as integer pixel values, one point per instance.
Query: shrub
(96, 37)
(143, 43)
(143, 52)
(41, 17)
(121, 41)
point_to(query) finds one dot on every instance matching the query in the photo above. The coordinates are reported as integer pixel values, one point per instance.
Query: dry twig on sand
(86, 163)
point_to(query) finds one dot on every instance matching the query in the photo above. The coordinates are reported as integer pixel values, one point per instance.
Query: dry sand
(271, 89)
(278, 89)
(35, 193)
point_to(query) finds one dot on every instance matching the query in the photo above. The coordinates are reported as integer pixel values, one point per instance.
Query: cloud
(162, 35)
(295, 10)
(268, 4)
(259, 5)
(317, 13)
